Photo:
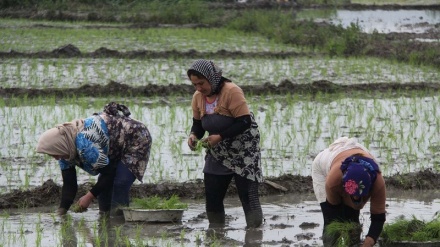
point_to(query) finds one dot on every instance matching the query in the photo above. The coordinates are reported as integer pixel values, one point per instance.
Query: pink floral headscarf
(359, 173)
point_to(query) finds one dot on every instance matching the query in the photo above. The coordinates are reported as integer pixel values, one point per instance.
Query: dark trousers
(112, 198)
(215, 191)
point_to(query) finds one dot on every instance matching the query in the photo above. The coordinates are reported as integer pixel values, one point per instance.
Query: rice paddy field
(401, 128)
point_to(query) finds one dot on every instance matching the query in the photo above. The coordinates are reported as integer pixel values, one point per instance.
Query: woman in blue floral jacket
(109, 144)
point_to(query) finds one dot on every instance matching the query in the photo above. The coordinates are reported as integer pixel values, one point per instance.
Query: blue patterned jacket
(92, 144)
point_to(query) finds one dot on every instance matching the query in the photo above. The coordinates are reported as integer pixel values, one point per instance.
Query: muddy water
(290, 220)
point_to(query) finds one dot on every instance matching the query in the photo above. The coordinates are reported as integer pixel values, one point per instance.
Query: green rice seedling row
(76, 72)
(399, 131)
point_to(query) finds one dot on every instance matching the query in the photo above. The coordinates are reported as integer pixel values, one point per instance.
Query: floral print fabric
(108, 138)
(241, 153)
(130, 142)
(359, 173)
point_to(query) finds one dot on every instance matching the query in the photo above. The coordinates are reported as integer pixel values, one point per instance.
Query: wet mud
(49, 192)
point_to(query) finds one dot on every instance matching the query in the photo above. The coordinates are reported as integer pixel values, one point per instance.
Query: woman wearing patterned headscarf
(219, 108)
(109, 144)
(345, 177)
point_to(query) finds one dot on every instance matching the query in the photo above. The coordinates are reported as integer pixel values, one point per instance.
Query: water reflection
(67, 232)
(105, 231)
(387, 21)
(290, 219)
(253, 237)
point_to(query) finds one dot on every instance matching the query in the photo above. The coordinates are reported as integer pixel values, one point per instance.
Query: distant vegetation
(140, 4)
(276, 20)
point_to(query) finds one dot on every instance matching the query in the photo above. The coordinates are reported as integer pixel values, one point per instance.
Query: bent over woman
(109, 144)
(345, 177)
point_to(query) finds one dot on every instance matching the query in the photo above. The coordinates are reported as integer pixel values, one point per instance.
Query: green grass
(73, 73)
(412, 229)
(87, 39)
(201, 145)
(156, 202)
(400, 130)
(76, 208)
(344, 233)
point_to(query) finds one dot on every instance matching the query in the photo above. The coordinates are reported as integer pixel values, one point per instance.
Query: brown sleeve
(235, 101)
(196, 105)
(378, 196)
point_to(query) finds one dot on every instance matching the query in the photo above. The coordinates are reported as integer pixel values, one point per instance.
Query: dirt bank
(49, 193)
(374, 90)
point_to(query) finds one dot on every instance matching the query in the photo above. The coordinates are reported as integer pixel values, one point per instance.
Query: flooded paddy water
(401, 132)
(399, 124)
(389, 21)
(290, 220)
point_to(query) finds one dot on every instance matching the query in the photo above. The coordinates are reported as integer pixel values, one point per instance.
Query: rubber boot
(253, 237)
(216, 219)
(254, 218)
(216, 230)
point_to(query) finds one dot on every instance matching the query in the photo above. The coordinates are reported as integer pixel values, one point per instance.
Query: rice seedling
(344, 233)
(39, 230)
(76, 72)
(292, 129)
(156, 202)
(138, 240)
(412, 229)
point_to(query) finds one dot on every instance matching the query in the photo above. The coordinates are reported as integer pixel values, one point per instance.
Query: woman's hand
(212, 140)
(192, 141)
(368, 242)
(84, 202)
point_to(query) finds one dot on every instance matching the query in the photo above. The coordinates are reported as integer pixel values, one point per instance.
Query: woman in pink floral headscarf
(345, 177)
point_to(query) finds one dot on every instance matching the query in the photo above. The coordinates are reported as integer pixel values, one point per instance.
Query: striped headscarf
(210, 71)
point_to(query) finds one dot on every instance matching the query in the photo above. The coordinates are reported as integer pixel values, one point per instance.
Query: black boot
(254, 218)
(216, 219)
(253, 237)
